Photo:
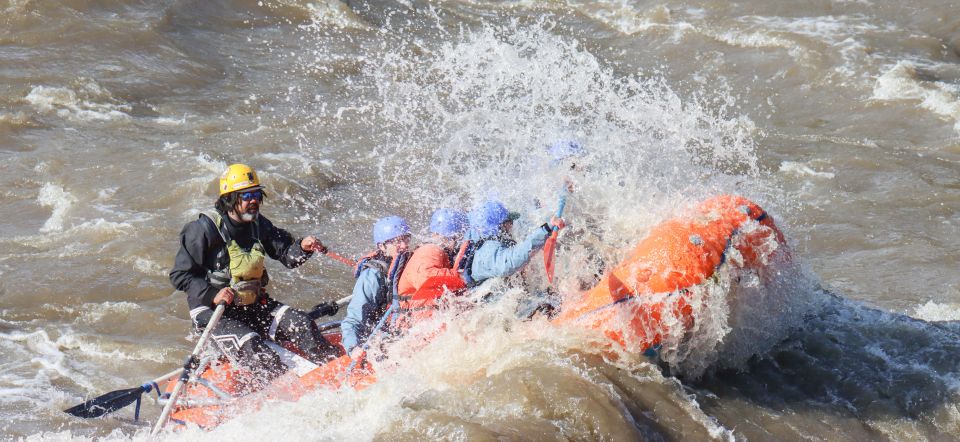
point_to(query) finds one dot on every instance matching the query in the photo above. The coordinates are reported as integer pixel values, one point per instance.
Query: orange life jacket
(427, 276)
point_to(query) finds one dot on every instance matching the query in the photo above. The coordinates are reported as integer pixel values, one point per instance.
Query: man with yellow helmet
(221, 258)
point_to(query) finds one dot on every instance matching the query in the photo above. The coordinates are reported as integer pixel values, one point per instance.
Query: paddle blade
(107, 403)
(548, 251)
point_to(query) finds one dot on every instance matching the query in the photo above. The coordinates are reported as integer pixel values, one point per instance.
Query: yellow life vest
(246, 269)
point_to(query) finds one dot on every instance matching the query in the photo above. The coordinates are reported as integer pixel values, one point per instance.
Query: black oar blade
(107, 403)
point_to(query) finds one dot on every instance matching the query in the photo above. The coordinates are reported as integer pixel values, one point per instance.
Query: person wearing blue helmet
(493, 252)
(435, 257)
(376, 274)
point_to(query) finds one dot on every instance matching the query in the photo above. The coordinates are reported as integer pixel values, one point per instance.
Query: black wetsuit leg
(290, 325)
(241, 340)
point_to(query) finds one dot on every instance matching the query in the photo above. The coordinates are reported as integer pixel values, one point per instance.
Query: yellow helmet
(238, 177)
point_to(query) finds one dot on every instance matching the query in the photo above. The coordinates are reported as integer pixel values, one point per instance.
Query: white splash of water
(473, 118)
(54, 196)
(470, 120)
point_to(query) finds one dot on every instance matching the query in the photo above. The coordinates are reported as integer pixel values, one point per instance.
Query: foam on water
(842, 33)
(325, 13)
(628, 20)
(15, 120)
(45, 360)
(150, 267)
(933, 311)
(169, 121)
(801, 169)
(88, 102)
(903, 82)
(54, 196)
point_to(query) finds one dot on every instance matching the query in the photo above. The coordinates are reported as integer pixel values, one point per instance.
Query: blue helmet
(389, 228)
(486, 219)
(563, 149)
(448, 222)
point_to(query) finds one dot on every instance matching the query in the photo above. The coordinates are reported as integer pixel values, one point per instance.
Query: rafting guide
(221, 259)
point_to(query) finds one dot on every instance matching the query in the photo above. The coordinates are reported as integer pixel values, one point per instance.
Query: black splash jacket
(200, 243)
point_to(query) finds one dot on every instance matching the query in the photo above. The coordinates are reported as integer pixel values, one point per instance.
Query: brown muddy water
(841, 118)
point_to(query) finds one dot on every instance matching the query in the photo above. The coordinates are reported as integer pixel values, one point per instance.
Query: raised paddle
(193, 361)
(549, 248)
(116, 400)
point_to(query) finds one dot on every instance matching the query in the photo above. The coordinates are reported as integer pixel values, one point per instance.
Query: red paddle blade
(548, 251)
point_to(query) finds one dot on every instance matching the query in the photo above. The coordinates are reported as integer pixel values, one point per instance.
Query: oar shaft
(344, 301)
(168, 376)
(184, 372)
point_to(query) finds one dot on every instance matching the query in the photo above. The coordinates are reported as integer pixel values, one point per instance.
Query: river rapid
(840, 118)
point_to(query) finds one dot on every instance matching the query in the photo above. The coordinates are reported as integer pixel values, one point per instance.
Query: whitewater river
(841, 118)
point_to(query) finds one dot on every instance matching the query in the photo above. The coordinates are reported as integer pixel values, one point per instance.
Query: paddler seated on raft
(433, 260)
(221, 259)
(373, 293)
(492, 252)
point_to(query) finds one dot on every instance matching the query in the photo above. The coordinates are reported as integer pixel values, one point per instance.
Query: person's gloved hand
(559, 223)
(311, 244)
(328, 308)
(225, 295)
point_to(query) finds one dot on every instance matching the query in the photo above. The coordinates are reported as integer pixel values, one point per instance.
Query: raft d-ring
(696, 240)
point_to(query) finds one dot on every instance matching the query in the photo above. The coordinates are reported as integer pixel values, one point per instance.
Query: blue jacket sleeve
(494, 260)
(361, 310)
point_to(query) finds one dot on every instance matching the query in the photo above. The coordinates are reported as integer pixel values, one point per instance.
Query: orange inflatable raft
(651, 290)
(633, 304)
